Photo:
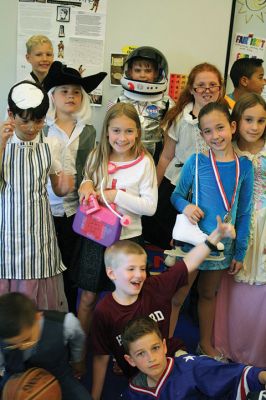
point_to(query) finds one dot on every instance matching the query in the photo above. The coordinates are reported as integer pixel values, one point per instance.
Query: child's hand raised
(6, 131)
(194, 213)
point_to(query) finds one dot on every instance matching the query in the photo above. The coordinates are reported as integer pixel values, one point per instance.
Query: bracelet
(212, 247)
(87, 180)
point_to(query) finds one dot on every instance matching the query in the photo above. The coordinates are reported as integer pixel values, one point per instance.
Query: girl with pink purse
(128, 172)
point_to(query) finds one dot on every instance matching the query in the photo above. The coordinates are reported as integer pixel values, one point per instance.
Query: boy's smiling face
(148, 354)
(41, 57)
(128, 276)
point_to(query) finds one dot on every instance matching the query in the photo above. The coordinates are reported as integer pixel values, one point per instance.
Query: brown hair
(186, 97)
(136, 329)
(17, 312)
(214, 106)
(246, 101)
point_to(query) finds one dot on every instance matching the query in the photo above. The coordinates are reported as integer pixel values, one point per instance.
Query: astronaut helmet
(140, 89)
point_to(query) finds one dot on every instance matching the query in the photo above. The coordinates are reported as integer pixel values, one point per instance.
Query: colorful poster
(76, 28)
(248, 34)
(248, 46)
(177, 83)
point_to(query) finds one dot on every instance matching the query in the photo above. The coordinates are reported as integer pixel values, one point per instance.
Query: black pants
(158, 229)
(69, 244)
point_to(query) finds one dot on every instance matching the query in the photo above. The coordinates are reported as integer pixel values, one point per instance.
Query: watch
(212, 247)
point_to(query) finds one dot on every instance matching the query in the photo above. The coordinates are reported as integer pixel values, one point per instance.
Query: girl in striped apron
(30, 261)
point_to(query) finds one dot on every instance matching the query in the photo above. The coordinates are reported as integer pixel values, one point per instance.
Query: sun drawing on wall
(253, 8)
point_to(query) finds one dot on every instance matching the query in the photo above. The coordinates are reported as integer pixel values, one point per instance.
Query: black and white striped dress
(28, 245)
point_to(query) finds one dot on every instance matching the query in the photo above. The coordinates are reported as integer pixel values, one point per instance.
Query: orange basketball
(34, 384)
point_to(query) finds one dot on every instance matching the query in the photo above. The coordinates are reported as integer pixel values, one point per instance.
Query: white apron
(28, 245)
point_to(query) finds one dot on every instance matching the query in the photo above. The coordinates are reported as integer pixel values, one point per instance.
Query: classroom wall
(186, 31)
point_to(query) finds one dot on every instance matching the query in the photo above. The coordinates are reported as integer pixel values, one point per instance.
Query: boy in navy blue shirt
(184, 377)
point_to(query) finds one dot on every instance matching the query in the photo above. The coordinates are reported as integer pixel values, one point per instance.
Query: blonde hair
(121, 247)
(37, 40)
(97, 162)
(83, 115)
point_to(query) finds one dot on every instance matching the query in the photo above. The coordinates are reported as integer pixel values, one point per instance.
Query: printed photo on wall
(117, 62)
(61, 32)
(63, 14)
(61, 49)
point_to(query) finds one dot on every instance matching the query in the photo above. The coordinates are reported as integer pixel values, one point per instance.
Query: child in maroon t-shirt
(135, 296)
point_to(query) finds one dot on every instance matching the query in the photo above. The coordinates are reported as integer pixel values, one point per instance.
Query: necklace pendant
(228, 218)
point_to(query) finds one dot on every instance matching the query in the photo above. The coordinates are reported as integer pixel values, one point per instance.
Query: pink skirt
(240, 322)
(47, 293)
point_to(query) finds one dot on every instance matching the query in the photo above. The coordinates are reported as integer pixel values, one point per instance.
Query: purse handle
(125, 220)
(197, 178)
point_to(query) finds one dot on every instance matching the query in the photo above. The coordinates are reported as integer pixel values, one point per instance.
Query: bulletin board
(247, 34)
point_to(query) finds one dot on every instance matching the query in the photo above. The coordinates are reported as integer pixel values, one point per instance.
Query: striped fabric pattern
(28, 245)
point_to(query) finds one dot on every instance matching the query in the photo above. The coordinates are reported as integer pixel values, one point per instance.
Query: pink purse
(100, 223)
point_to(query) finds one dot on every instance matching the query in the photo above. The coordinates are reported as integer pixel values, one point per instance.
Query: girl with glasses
(182, 139)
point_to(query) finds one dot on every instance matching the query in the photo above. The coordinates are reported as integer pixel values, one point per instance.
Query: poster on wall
(76, 28)
(247, 46)
(248, 34)
(177, 83)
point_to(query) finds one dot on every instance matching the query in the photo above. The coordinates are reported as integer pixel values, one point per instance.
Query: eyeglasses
(21, 346)
(203, 89)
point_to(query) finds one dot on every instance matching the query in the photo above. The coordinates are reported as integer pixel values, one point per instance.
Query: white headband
(27, 96)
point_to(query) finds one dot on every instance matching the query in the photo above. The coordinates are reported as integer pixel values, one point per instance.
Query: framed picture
(63, 14)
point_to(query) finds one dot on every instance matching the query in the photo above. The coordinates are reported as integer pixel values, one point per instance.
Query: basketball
(34, 384)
